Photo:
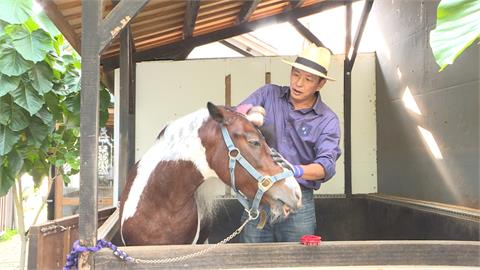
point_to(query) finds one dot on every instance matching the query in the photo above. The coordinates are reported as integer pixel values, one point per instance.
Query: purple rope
(72, 258)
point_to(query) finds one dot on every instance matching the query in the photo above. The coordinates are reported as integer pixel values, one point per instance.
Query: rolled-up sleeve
(327, 148)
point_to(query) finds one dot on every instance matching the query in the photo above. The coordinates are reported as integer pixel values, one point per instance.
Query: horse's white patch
(180, 141)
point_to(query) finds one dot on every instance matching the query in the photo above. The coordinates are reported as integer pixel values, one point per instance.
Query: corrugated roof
(160, 30)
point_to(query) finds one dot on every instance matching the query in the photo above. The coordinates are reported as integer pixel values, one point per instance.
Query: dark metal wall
(448, 101)
(368, 218)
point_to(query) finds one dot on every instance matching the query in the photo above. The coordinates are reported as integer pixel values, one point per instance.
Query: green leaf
(31, 25)
(15, 11)
(46, 24)
(41, 75)
(5, 111)
(15, 163)
(53, 105)
(6, 181)
(27, 98)
(11, 62)
(46, 117)
(7, 139)
(38, 131)
(8, 84)
(458, 26)
(31, 45)
(20, 119)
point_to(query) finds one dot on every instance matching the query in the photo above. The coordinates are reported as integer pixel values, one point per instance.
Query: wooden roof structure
(171, 29)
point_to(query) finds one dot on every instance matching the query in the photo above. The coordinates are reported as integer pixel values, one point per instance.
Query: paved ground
(10, 253)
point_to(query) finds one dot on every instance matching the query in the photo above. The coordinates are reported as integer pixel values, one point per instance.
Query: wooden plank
(268, 77)
(288, 255)
(296, 3)
(358, 35)
(306, 33)
(120, 16)
(246, 11)
(89, 126)
(110, 226)
(347, 104)
(107, 201)
(58, 196)
(235, 48)
(191, 13)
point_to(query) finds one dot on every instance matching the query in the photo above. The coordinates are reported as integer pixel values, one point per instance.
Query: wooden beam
(368, 254)
(191, 13)
(358, 35)
(58, 182)
(296, 3)
(120, 16)
(246, 11)
(235, 48)
(89, 126)
(347, 103)
(306, 33)
(61, 23)
(110, 227)
(162, 51)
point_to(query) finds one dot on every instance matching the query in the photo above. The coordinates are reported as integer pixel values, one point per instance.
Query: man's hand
(280, 160)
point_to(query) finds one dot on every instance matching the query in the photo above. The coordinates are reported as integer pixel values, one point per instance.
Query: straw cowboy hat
(313, 59)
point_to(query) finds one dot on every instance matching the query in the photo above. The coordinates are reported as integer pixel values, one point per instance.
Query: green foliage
(458, 26)
(7, 235)
(39, 96)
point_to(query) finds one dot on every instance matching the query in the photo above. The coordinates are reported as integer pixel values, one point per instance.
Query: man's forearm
(313, 172)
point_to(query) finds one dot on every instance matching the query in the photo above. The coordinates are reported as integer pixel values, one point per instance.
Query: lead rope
(198, 253)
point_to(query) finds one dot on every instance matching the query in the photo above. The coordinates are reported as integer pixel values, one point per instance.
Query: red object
(310, 240)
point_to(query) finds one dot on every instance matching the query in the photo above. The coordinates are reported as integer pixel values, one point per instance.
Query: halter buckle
(265, 184)
(233, 153)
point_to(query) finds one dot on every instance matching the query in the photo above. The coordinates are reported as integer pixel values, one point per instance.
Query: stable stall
(358, 223)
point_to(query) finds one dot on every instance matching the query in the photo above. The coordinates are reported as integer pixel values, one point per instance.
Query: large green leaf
(46, 24)
(46, 117)
(15, 11)
(7, 139)
(31, 45)
(41, 75)
(8, 84)
(15, 163)
(27, 98)
(6, 181)
(11, 62)
(38, 131)
(13, 116)
(5, 111)
(458, 26)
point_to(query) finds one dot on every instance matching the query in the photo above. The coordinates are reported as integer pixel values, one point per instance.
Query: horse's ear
(215, 112)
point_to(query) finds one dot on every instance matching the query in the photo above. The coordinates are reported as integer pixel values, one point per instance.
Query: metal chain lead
(195, 254)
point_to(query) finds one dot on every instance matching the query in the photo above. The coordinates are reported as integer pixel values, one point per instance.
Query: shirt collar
(317, 106)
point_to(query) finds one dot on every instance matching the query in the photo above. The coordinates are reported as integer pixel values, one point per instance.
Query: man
(306, 132)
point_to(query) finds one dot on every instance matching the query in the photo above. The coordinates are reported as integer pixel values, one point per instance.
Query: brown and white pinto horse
(162, 202)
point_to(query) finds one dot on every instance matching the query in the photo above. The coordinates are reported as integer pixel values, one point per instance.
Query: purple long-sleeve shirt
(302, 136)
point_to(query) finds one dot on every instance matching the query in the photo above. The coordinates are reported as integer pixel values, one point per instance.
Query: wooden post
(58, 196)
(268, 77)
(347, 102)
(228, 102)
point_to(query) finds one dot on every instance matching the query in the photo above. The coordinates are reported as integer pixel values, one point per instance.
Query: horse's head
(248, 144)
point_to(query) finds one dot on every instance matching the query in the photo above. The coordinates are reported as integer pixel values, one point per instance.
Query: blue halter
(265, 182)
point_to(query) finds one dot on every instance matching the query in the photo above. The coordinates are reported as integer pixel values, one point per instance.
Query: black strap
(311, 64)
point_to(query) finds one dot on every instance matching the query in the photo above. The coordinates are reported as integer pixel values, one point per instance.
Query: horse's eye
(254, 143)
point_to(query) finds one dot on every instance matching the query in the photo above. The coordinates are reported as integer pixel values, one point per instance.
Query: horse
(164, 200)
